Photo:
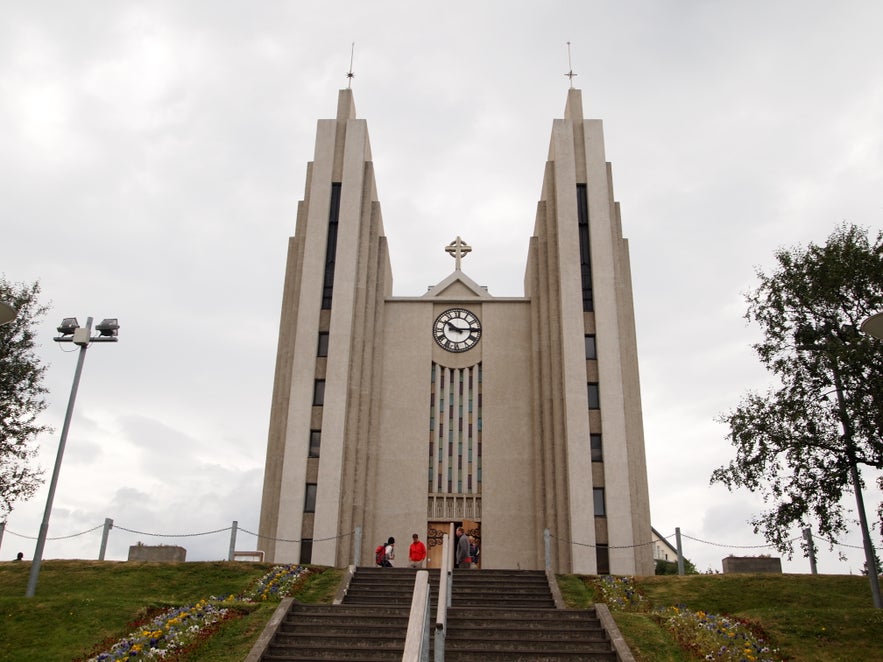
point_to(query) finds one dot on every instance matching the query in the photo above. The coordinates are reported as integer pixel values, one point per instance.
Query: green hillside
(83, 607)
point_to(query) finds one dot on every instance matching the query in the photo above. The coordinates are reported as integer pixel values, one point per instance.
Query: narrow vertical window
(594, 396)
(602, 554)
(591, 350)
(585, 254)
(310, 498)
(598, 496)
(331, 246)
(597, 454)
(319, 393)
(306, 550)
(323, 344)
(315, 442)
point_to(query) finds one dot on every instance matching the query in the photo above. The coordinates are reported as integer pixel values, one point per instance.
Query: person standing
(462, 557)
(416, 552)
(474, 551)
(389, 552)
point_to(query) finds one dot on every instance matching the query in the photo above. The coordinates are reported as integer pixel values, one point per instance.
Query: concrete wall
(734, 564)
(161, 553)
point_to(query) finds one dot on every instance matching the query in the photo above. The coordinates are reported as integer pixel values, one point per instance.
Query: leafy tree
(801, 444)
(21, 395)
(664, 567)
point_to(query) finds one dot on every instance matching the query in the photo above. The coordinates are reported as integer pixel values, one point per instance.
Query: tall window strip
(585, 257)
(331, 246)
(455, 430)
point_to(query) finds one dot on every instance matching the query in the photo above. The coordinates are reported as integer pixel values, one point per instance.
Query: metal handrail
(417, 638)
(445, 579)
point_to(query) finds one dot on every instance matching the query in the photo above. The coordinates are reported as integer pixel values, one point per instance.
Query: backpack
(380, 554)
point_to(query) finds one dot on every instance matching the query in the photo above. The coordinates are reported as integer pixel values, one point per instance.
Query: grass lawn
(810, 618)
(81, 604)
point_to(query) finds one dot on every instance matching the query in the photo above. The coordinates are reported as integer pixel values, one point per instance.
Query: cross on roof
(349, 74)
(570, 73)
(458, 249)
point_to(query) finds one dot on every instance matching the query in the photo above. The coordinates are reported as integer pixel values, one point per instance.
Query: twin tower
(508, 416)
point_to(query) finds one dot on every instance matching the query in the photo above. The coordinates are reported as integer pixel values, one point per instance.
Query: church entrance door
(434, 533)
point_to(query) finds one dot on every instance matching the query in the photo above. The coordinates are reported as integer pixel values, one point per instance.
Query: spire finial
(570, 73)
(458, 249)
(349, 74)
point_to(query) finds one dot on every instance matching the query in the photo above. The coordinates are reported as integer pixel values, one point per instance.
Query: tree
(664, 567)
(21, 395)
(801, 444)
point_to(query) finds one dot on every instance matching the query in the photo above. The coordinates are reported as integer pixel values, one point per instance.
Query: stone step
(524, 647)
(335, 640)
(344, 624)
(491, 637)
(495, 624)
(332, 655)
(548, 655)
(388, 599)
(300, 610)
(508, 603)
(525, 616)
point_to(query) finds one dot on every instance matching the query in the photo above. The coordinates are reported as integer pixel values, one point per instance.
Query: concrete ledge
(260, 646)
(623, 652)
(556, 590)
(344, 585)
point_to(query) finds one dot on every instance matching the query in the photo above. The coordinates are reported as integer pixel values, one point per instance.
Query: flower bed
(708, 636)
(280, 581)
(166, 635)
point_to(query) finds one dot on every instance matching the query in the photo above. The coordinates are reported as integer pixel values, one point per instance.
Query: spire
(346, 107)
(573, 111)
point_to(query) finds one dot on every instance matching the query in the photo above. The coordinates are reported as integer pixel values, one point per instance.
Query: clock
(456, 330)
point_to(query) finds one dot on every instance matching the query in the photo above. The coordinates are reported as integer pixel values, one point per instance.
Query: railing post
(108, 525)
(444, 600)
(232, 554)
(680, 552)
(357, 546)
(547, 547)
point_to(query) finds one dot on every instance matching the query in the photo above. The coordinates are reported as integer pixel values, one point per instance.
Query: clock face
(456, 330)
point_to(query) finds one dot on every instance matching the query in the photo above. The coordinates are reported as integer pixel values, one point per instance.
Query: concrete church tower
(508, 416)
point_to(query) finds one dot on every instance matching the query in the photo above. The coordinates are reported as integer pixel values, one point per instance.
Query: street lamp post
(70, 331)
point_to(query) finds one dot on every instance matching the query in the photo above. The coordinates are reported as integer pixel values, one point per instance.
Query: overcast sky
(152, 156)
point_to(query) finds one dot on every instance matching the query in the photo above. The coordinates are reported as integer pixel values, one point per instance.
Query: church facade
(510, 416)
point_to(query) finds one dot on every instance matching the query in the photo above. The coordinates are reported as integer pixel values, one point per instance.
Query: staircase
(370, 624)
(494, 615)
(511, 615)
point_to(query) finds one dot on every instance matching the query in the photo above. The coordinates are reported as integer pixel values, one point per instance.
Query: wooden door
(434, 533)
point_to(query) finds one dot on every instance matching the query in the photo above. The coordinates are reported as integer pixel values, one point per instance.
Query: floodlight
(68, 326)
(109, 328)
(7, 312)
